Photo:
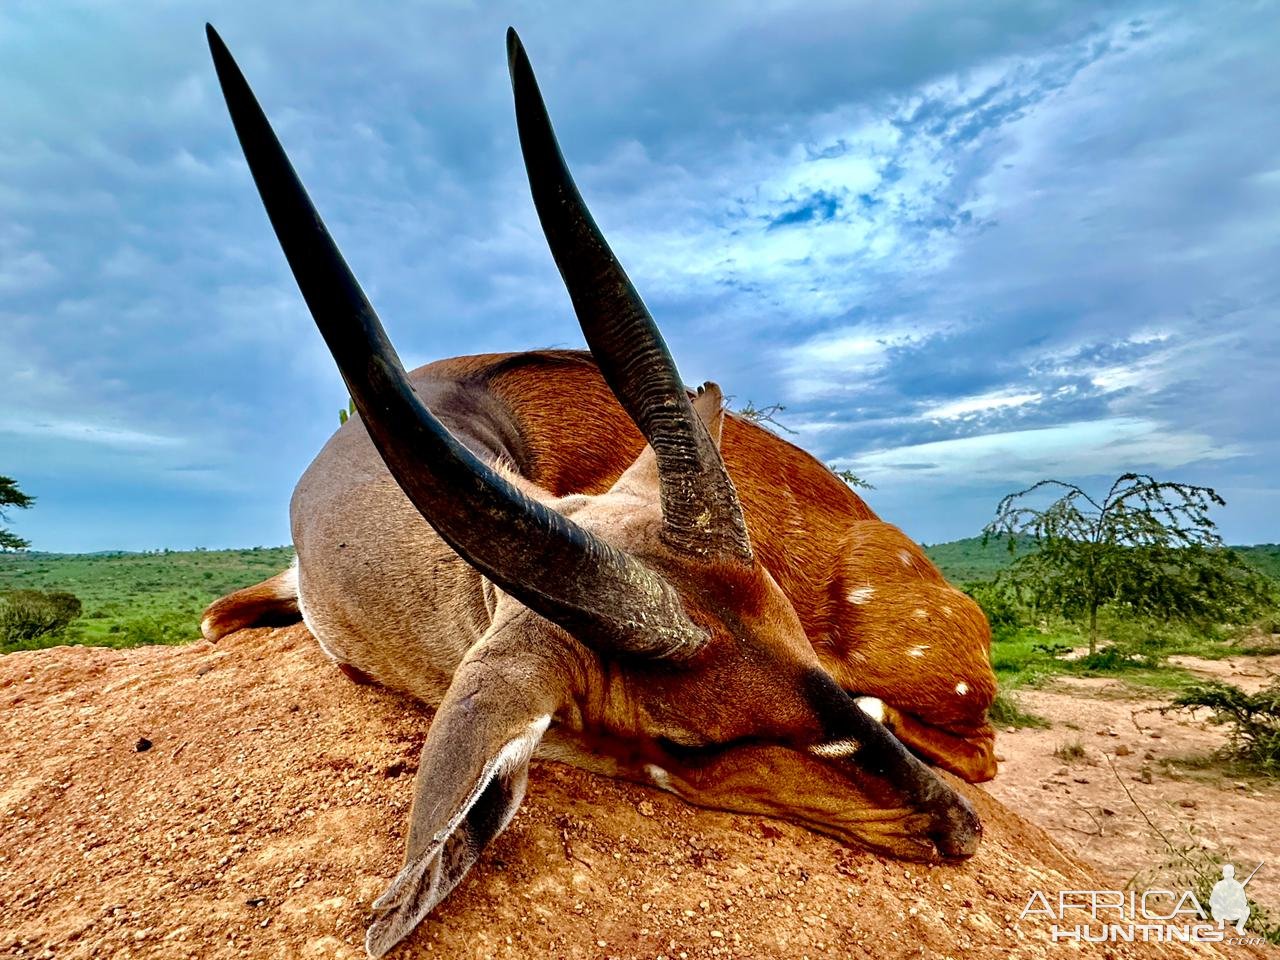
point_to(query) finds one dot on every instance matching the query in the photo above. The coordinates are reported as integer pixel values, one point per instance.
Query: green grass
(1134, 651)
(1071, 751)
(136, 598)
(1007, 711)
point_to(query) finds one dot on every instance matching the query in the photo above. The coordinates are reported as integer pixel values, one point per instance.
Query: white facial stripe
(862, 594)
(872, 706)
(835, 748)
(658, 775)
(962, 688)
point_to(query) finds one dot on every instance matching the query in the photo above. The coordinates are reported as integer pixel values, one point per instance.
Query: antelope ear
(475, 765)
(641, 478)
(709, 406)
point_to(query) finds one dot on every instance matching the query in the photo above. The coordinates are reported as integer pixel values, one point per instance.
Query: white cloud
(981, 403)
(1083, 448)
(881, 189)
(839, 361)
(960, 212)
(85, 432)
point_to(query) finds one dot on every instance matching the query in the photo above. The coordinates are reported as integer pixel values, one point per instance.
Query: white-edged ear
(437, 868)
(474, 769)
(642, 475)
(709, 406)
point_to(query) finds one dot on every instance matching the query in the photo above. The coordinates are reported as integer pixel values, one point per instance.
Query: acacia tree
(11, 496)
(1148, 546)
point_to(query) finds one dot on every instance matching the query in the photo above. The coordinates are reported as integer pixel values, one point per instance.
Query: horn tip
(515, 52)
(218, 48)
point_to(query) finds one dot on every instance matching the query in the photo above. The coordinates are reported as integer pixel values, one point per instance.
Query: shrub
(166, 628)
(1114, 659)
(1070, 752)
(998, 603)
(28, 616)
(1253, 719)
(1189, 865)
(1147, 546)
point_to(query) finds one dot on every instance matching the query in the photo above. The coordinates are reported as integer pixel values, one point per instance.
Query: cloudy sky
(967, 244)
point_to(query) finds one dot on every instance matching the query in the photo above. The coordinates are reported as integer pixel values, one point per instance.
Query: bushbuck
(574, 556)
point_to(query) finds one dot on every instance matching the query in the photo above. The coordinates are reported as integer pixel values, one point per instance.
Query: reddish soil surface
(246, 800)
(1144, 785)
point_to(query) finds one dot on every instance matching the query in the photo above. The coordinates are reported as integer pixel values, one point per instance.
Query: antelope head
(639, 618)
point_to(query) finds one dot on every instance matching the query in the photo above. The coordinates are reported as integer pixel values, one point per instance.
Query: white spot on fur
(905, 557)
(862, 594)
(918, 650)
(921, 613)
(873, 707)
(658, 775)
(834, 748)
(962, 688)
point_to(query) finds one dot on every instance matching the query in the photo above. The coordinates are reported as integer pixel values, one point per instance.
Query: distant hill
(967, 559)
(1263, 556)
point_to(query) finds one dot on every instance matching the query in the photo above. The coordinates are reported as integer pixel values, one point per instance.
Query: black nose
(956, 829)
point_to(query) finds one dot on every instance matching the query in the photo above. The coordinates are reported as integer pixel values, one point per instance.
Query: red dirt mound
(248, 800)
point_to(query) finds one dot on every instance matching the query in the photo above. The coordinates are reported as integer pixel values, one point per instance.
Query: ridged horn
(699, 504)
(607, 598)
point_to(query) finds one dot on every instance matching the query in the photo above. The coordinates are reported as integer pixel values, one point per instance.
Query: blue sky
(967, 244)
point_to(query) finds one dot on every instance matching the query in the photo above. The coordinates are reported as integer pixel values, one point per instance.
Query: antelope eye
(693, 751)
(687, 752)
(682, 740)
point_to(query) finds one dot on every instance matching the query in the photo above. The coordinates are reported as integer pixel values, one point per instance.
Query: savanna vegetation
(120, 599)
(1147, 548)
(1116, 584)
